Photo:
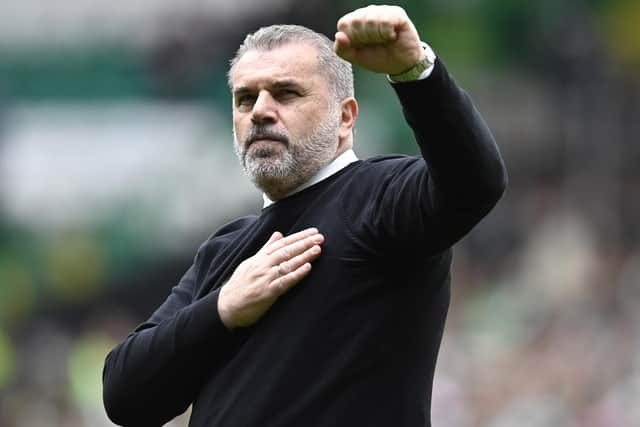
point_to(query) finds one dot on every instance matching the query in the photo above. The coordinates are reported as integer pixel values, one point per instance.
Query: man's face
(285, 119)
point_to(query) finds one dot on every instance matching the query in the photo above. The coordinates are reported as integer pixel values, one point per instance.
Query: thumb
(342, 46)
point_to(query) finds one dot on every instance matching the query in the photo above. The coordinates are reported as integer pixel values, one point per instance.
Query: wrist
(223, 313)
(420, 70)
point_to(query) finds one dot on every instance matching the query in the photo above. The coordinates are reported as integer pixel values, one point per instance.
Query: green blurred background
(116, 163)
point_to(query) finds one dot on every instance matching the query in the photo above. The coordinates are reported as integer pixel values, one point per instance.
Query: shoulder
(376, 180)
(389, 161)
(381, 180)
(376, 173)
(379, 169)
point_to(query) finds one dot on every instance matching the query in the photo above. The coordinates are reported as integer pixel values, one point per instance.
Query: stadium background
(116, 162)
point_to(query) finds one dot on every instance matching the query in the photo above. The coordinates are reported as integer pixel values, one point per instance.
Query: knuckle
(286, 252)
(284, 284)
(264, 271)
(269, 248)
(278, 287)
(273, 287)
(303, 258)
(276, 246)
(370, 19)
(301, 247)
(293, 264)
(285, 267)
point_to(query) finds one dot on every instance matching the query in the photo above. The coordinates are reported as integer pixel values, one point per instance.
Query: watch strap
(415, 72)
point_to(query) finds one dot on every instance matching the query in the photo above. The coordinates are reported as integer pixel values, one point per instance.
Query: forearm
(156, 372)
(466, 171)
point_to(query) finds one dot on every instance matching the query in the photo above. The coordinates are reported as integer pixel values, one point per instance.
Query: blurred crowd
(116, 162)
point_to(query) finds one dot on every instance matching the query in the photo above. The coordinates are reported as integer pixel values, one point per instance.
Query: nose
(264, 109)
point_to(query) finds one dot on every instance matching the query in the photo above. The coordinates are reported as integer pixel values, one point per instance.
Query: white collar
(339, 163)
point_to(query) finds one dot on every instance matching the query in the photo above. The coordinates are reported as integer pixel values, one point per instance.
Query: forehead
(297, 61)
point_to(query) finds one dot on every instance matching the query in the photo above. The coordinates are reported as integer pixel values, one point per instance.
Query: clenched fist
(259, 280)
(379, 38)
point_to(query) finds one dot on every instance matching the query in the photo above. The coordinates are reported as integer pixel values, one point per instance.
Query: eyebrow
(278, 84)
(285, 83)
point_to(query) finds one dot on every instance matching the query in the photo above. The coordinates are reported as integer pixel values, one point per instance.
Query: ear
(348, 117)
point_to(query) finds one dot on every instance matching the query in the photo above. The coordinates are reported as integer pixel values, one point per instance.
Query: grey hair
(336, 70)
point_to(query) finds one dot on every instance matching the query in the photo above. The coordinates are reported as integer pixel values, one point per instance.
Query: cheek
(238, 138)
(239, 129)
(303, 121)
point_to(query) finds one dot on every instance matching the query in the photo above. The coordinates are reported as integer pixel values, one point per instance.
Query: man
(338, 323)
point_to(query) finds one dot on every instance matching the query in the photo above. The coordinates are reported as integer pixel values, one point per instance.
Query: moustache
(257, 133)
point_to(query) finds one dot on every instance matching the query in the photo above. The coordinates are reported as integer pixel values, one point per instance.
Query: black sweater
(355, 343)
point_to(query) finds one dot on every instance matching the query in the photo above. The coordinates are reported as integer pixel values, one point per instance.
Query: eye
(286, 94)
(245, 100)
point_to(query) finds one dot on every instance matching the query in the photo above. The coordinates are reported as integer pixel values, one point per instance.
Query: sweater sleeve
(429, 203)
(154, 374)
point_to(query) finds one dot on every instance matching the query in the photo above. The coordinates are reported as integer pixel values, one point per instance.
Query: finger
(274, 238)
(286, 282)
(357, 32)
(296, 262)
(345, 21)
(371, 33)
(342, 41)
(372, 24)
(342, 46)
(386, 32)
(378, 30)
(274, 246)
(292, 250)
(350, 24)
(353, 26)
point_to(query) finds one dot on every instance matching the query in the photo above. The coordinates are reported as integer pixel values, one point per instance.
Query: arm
(154, 374)
(158, 370)
(435, 201)
(464, 175)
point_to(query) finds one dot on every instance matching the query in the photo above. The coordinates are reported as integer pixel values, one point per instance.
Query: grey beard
(297, 163)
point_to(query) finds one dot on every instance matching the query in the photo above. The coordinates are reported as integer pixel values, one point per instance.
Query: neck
(331, 168)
